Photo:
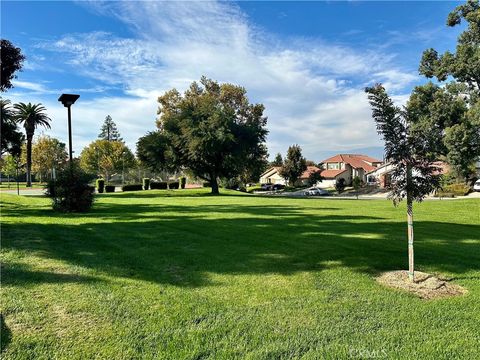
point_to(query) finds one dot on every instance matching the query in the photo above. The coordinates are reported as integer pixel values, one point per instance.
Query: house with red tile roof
(382, 175)
(347, 166)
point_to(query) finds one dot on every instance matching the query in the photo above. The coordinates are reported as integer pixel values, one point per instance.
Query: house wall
(360, 173)
(272, 179)
(329, 183)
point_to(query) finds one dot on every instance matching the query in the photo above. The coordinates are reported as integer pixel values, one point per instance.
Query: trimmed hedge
(100, 185)
(158, 185)
(183, 182)
(174, 185)
(110, 188)
(132, 187)
(146, 183)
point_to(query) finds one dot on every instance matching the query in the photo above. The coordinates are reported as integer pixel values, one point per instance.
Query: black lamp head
(68, 99)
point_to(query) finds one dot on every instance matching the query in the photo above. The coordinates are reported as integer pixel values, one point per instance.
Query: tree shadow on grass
(182, 245)
(5, 334)
(16, 274)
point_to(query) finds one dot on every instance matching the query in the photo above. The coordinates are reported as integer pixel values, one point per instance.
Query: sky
(307, 62)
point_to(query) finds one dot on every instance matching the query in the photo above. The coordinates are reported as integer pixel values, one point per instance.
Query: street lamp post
(68, 100)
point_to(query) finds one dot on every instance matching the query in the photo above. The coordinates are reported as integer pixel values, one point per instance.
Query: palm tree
(31, 115)
(12, 139)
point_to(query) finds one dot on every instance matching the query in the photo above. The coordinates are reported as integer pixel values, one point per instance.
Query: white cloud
(312, 90)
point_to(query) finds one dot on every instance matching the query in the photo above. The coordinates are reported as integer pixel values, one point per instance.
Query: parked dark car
(273, 187)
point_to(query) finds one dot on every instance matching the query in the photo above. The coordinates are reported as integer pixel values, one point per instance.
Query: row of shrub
(156, 185)
(146, 185)
(132, 187)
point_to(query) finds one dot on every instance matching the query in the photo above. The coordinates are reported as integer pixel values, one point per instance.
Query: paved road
(377, 196)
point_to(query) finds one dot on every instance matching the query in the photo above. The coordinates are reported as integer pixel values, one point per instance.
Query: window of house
(333, 166)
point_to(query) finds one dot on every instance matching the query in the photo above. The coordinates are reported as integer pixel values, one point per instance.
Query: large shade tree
(105, 158)
(11, 62)
(48, 153)
(452, 112)
(31, 116)
(154, 153)
(411, 152)
(213, 130)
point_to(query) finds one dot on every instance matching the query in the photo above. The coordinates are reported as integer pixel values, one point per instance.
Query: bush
(454, 190)
(207, 184)
(174, 185)
(132, 187)
(183, 182)
(340, 185)
(100, 185)
(110, 188)
(161, 185)
(71, 191)
(314, 178)
(146, 183)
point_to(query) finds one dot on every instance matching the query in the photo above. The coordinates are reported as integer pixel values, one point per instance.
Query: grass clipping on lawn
(425, 286)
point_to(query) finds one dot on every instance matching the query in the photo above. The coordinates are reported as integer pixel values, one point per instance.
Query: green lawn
(193, 276)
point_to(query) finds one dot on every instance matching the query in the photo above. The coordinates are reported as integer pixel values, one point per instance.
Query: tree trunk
(411, 267)
(29, 161)
(214, 184)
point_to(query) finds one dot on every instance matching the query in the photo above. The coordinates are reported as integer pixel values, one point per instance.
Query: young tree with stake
(414, 175)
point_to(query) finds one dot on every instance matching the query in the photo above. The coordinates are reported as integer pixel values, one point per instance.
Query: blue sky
(308, 62)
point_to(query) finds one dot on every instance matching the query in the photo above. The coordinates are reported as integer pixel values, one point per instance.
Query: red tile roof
(310, 169)
(355, 160)
(331, 174)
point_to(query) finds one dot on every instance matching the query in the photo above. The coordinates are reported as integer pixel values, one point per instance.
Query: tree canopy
(213, 130)
(11, 62)
(154, 153)
(47, 153)
(452, 113)
(105, 158)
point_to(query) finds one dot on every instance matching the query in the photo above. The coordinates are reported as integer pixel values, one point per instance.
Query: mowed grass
(185, 275)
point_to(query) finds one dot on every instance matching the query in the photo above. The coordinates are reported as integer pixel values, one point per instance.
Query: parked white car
(476, 186)
(314, 191)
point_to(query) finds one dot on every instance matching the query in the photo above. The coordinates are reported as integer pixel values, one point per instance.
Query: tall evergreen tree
(278, 161)
(293, 165)
(109, 130)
